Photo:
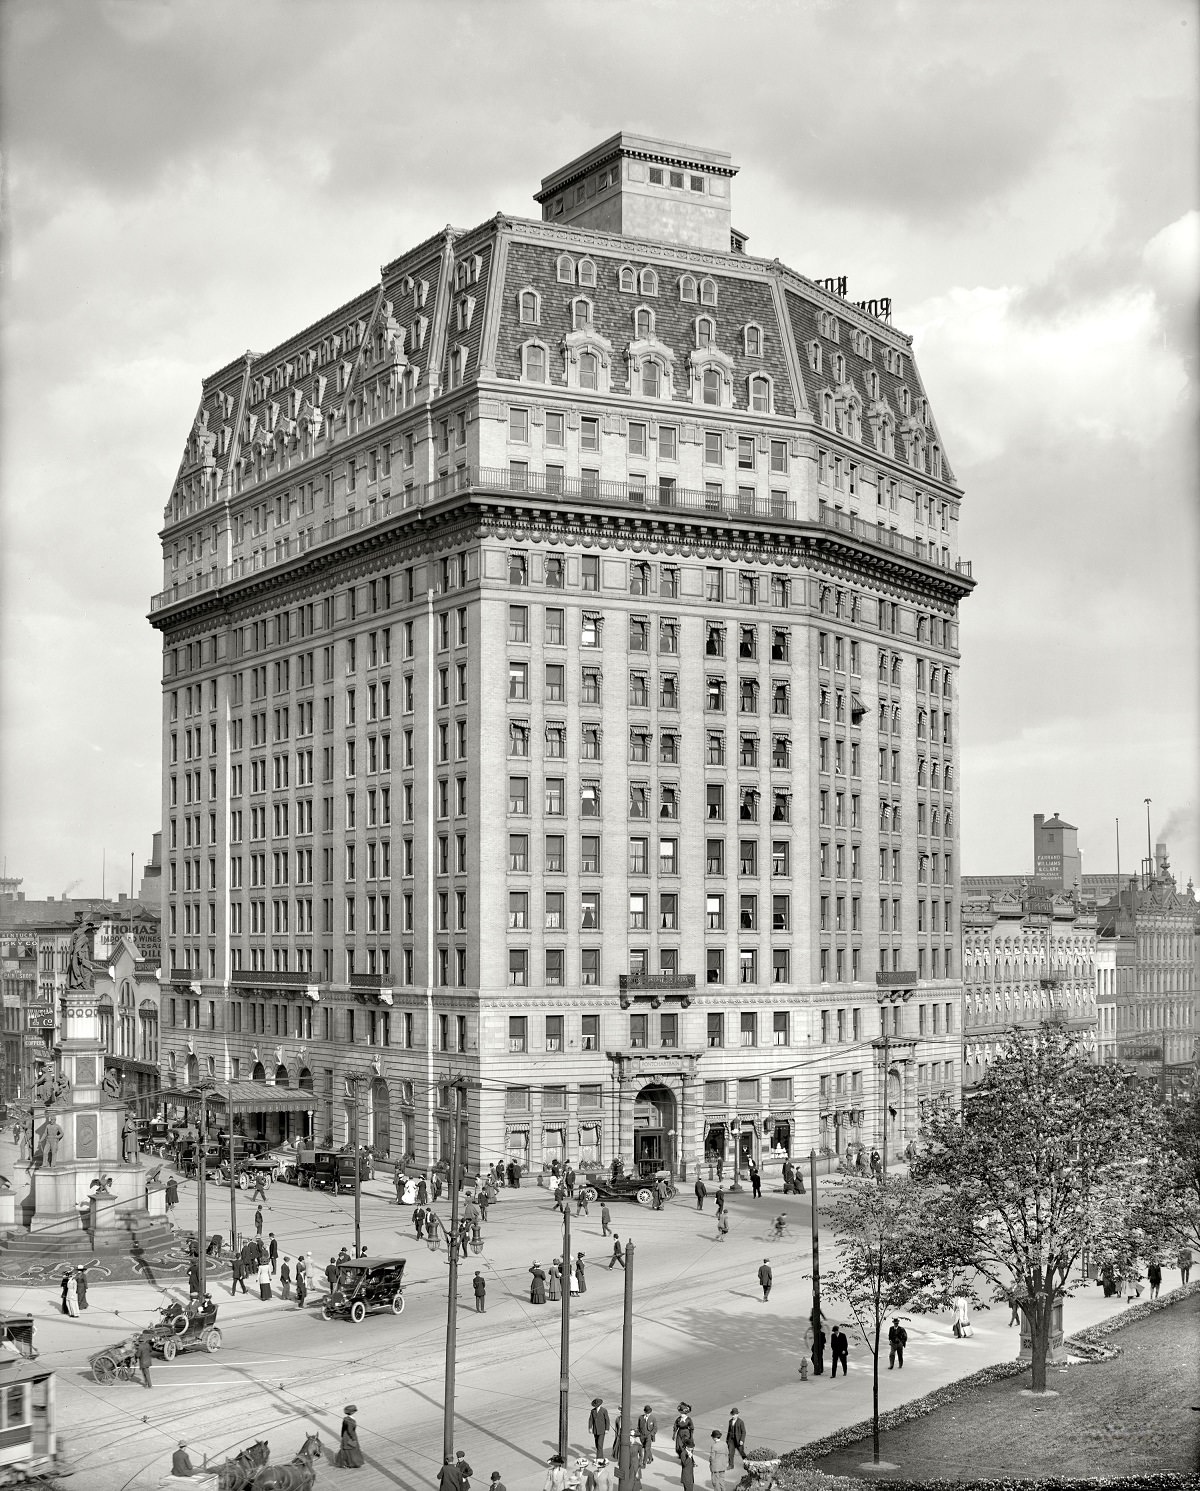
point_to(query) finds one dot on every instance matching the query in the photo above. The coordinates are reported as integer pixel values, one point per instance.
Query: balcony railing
(660, 496)
(656, 982)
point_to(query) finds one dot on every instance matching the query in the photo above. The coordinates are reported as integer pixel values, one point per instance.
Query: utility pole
(816, 1245)
(564, 1350)
(452, 1291)
(232, 1174)
(355, 1079)
(201, 1199)
(1149, 849)
(626, 1476)
(887, 1057)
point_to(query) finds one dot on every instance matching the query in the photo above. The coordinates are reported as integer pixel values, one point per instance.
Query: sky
(186, 180)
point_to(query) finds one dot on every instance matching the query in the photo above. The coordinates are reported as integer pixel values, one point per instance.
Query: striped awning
(249, 1097)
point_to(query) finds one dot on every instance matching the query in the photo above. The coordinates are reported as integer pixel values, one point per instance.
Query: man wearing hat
(647, 1427)
(181, 1461)
(716, 1462)
(598, 1422)
(447, 1476)
(683, 1431)
(496, 1484)
(735, 1436)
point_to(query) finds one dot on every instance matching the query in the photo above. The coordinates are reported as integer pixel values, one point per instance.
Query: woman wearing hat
(537, 1286)
(349, 1456)
(683, 1431)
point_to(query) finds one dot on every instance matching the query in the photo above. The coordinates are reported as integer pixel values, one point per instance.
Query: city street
(702, 1333)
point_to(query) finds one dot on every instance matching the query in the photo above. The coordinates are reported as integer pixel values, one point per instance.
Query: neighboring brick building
(1025, 960)
(560, 653)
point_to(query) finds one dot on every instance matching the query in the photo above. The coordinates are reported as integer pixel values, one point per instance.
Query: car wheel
(104, 1369)
(326, 1313)
(589, 1194)
(645, 1196)
(312, 1184)
(212, 1338)
(169, 1348)
(358, 1312)
(397, 1303)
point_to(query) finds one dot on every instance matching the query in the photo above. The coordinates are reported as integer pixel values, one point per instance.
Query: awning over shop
(248, 1097)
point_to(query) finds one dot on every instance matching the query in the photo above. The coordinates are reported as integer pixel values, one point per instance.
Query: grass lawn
(1125, 1417)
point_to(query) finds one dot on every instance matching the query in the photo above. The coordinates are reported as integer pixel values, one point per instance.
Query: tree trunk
(875, 1396)
(1039, 1310)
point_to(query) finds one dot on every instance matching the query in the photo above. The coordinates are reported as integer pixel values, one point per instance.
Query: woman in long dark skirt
(537, 1286)
(579, 1275)
(349, 1457)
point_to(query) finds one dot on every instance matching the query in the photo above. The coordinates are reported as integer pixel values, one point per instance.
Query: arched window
(581, 314)
(839, 368)
(651, 378)
(627, 280)
(705, 331)
(760, 395)
(566, 269)
(535, 362)
(529, 307)
(896, 670)
(711, 386)
(687, 287)
(827, 410)
(753, 339)
(649, 282)
(872, 385)
(589, 370)
(708, 291)
(643, 322)
(587, 272)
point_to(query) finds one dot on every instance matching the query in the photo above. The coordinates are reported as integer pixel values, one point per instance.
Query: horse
(237, 1474)
(298, 1476)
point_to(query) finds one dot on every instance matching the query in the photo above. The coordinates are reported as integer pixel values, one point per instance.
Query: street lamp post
(458, 1087)
(564, 1354)
(735, 1129)
(354, 1081)
(201, 1199)
(232, 1173)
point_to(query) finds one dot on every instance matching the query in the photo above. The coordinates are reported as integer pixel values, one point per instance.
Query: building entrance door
(654, 1130)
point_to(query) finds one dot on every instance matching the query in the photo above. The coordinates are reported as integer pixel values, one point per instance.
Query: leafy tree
(1181, 1123)
(1052, 1155)
(884, 1264)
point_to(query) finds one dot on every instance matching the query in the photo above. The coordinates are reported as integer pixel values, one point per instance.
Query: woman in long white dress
(72, 1295)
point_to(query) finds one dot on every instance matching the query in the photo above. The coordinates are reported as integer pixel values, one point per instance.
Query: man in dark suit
(897, 1341)
(647, 1427)
(839, 1344)
(598, 1422)
(735, 1436)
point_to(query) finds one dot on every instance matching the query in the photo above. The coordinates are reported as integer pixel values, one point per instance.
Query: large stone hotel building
(560, 649)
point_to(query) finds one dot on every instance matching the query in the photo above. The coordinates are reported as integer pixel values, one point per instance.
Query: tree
(1051, 1156)
(884, 1265)
(1181, 1119)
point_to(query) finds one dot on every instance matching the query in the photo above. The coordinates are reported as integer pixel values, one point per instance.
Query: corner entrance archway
(381, 1118)
(654, 1129)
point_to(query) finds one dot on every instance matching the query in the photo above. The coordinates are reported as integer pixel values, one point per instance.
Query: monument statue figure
(49, 1139)
(51, 1085)
(112, 1082)
(129, 1141)
(81, 970)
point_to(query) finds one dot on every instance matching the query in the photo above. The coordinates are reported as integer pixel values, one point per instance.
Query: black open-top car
(639, 1188)
(366, 1284)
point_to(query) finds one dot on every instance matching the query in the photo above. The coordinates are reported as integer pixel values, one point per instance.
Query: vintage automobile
(364, 1284)
(602, 1184)
(179, 1327)
(248, 1172)
(330, 1169)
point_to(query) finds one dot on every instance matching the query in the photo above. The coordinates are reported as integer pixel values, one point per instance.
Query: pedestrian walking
(765, 1278)
(876, 1164)
(258, 1221)
(572, 1279)
(570, 1180)
(349, 1455)
(962, 1317)
(616, 1448)
(599, 1477)
(560, 1196)
(485, 1200)
(193, 1279)
(553, 1279)
(687, 1468)
(683, 1430)
(145, 1355)
(897, 1341)
(239, 1274)
(273, 1253)
(479, 1285)
(1014, 1313)
(581, 1202)
(647, 1428)
(716, 1462)
(301, 1283)
(285, 1278)
(260, 1189)
(605, 1218)
(617, 1255)
(1183, 1261)
(1135, 1286)
(722, 1224)
(839, 1346)
(537, 1287)
(495, 1483)
(598, 1425)
(437, 1185)
(65, 1279)
(818, 1350)
(1154, 1277)
(789, 1171)
(556, 1475)
(331, 1273)
(701, 1192)
(72, 1294)
(447, 1476)
(735, 1436)
(463, 1467)
(172, 1194)
(720, 1200)
(264, 1280)
(81, 1280)
(755, 1180)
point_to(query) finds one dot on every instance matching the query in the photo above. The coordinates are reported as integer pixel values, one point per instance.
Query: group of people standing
(547, 1284)
(74, 1291)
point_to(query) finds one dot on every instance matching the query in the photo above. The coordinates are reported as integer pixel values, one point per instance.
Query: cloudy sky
(185, 180)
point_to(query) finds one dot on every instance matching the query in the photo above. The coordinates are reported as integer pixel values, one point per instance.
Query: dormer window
(566, 269)
(581, 314)
(530, 307)
(536, 362)
(760, 394)
(705, 331)
(589, 370)
(687, 287)
(643, 322)
(815, 356)
(827, 326)
(627, 280)
(651, 379)
(458, 367)
(753, 340)
(587, 273)
(839, 368)
(905, 401)
(711, 387)
(872, 382)
(708, 291)
(649, 282)
(827, 411)
(465, 312)
(923, 411)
